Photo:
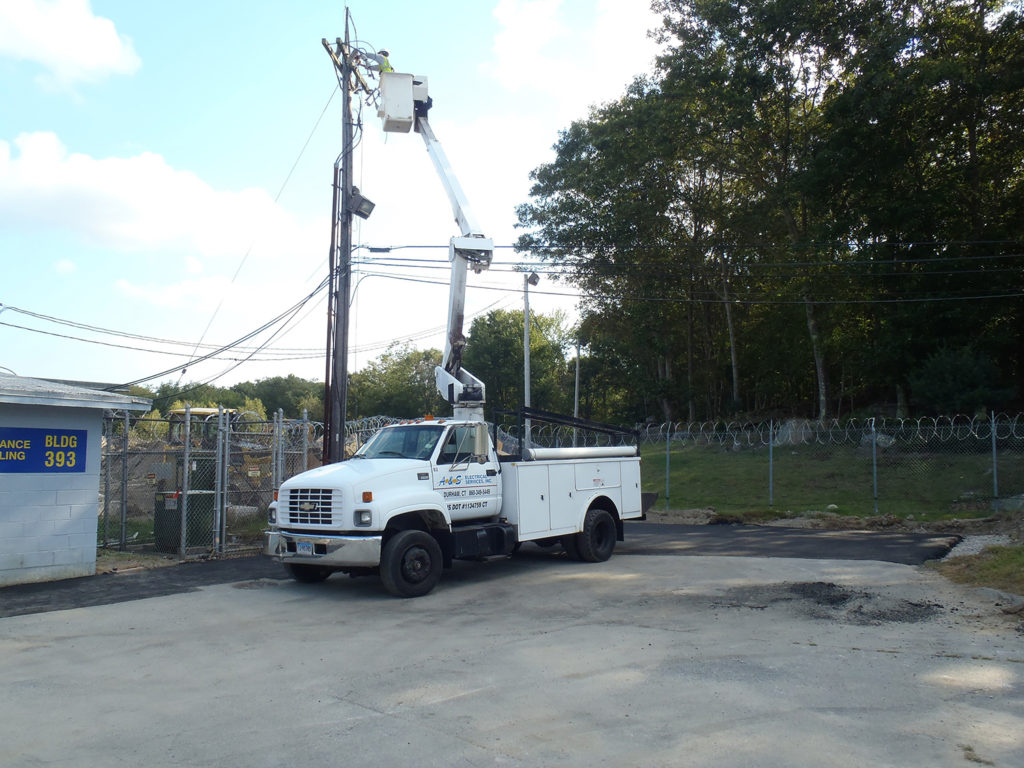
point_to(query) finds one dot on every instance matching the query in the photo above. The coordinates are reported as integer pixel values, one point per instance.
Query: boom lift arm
(404, 103)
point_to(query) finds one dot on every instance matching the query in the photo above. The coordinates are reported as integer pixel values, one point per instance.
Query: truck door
(470, 490)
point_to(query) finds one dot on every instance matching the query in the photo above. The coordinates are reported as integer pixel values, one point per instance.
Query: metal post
(123, 545)
(186, 458)
(218, 487)
(995, 468)
(668, 445)
(526, 355)
(576, 396)
(305, 439)
(106, 488)
(273, 453)
(225, 481)
(282, 461)
(771, 463)
(874, 464)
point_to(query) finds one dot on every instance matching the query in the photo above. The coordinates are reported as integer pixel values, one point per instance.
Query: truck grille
(312, 506)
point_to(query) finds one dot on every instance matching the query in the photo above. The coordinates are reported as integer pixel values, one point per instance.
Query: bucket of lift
(403, 98)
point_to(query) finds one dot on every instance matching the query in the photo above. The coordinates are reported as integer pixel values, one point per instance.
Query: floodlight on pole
(360, 205)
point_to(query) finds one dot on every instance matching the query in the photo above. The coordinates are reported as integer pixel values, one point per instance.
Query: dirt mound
(825, 600)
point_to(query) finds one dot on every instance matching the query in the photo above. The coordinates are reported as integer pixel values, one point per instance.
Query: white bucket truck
(421, 494)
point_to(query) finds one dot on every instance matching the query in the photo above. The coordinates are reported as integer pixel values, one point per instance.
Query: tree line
(809, 206)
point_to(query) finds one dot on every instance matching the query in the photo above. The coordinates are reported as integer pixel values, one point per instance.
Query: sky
(165, 173)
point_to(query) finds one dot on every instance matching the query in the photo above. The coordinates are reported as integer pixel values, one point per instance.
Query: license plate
(304, 548)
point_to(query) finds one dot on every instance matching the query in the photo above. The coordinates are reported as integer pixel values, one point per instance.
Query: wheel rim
(416, 565)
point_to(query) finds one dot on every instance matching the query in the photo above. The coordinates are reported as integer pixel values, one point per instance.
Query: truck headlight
(272, 513)
(364, 518)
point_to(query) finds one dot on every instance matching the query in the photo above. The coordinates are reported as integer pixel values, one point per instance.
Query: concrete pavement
(648, 660)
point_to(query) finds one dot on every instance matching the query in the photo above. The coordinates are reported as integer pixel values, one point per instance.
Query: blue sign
(42, 450)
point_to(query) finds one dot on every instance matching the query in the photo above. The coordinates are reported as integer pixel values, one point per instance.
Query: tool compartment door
(534, 499)
(592, 475)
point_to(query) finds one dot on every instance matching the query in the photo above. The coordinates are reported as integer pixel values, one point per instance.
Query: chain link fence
(200, 483)
(910, 468)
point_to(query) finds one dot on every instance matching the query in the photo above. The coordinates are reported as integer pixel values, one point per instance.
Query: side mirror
(481, 443)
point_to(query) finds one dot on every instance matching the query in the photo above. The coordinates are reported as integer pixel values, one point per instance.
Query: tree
(494, 353)
(605, 212)
(400, 383)
(856, 169)
(958, 381)
(285, 393)
(936, 95)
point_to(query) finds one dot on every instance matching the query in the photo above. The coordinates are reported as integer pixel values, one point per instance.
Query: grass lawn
(996, 567)
(840, 479)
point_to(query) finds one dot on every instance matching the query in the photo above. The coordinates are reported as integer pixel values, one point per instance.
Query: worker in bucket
(381, 57)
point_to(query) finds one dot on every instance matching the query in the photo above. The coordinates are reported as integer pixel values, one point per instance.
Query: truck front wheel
(597, 539)
(410, 564)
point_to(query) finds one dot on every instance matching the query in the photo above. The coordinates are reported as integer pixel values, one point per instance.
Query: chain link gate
(199, 484)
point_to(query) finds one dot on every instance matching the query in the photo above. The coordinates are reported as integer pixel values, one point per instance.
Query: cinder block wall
(48, 520)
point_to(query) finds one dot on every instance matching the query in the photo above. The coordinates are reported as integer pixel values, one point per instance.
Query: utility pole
(336, 388)
(531, 279)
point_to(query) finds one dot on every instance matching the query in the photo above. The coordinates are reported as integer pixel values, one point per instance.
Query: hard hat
(383, 52)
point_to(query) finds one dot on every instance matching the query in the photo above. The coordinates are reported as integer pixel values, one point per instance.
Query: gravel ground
(972, 545)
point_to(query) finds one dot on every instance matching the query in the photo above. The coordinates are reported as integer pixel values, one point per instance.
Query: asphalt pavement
(662, 660)
(640, 539)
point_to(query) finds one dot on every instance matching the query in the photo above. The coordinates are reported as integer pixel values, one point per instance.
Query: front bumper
(331, 551)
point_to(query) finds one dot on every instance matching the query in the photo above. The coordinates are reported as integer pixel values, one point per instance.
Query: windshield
(415, 441)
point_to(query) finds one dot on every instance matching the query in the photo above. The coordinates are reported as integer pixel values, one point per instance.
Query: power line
(706, 299)
(270, 323)
(277, 197)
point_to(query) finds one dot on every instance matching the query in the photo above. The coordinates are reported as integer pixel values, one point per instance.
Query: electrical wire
(270, 323)
(718, 300)
(125, 334)
(248, 251)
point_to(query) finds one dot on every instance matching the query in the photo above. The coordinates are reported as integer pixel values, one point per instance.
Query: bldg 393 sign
(30, 450)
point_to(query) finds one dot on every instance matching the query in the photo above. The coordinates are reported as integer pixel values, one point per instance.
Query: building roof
(19, 390)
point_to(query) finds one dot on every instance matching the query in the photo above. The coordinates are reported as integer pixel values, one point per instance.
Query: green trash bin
(167, 520)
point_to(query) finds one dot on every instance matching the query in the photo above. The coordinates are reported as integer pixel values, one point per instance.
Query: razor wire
(924, 431)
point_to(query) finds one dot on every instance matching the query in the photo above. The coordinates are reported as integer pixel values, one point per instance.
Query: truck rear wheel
(308, 574)
(596, 541)
(410, 564)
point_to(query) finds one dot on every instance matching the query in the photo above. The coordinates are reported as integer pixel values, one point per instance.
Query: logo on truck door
(450, 481)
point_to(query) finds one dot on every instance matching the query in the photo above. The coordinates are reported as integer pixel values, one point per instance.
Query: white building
(50, 452)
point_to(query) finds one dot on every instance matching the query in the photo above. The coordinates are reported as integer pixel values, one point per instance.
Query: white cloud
(64, 267)
(67, 39)
(544, 49)
(521, 48)
(135, 203)
(164, 238)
